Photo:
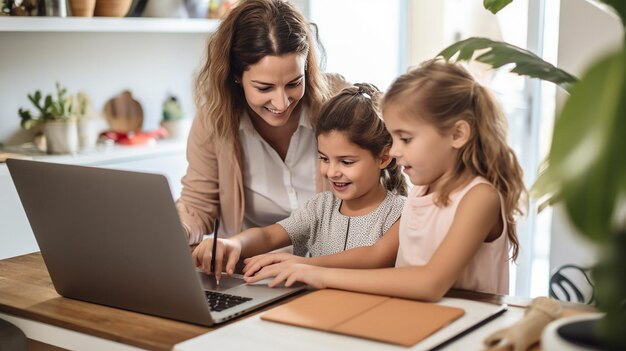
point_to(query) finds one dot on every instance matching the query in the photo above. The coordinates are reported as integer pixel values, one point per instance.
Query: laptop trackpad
(226, 282)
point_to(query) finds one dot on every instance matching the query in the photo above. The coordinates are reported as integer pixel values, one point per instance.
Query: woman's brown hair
(355, 111)
(443, 93)
(252, 30)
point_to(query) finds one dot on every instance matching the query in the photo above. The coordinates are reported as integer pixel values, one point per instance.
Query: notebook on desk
(392, 320)
(114, 238)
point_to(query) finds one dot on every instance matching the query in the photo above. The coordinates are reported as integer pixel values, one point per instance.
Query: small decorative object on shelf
(23, 8)
(174, 120)
(88, 122)
(165, 9)
(219, 8)
(197, 8)
(123, 113)
(58, 118)
(54, 8)
(82, 8)
(112, 8)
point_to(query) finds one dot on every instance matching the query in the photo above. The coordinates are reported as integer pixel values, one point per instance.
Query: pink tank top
(423, 226)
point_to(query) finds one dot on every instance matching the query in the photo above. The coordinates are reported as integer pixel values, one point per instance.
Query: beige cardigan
(214, 184)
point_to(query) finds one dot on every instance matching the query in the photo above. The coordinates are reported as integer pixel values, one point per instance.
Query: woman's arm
(477, 214)
(199, 202)
(381, 254)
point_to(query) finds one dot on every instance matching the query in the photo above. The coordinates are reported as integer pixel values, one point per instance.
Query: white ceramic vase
(178, 130)
(88, 133)
(165, 8)
(61, 137)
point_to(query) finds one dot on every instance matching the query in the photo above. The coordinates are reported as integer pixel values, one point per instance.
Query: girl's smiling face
(420, 148)
(274, 86)
(353, 172)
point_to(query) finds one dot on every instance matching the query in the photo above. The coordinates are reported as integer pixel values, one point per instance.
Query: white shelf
(107, 24)
(112, 154)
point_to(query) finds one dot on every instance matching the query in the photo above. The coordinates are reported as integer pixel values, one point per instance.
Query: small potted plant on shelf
(56, 114)
(174, 120)
(87, 122)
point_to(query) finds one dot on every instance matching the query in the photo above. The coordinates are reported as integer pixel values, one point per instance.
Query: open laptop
(114, 238)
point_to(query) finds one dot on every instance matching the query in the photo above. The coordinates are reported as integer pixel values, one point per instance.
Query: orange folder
(392, 320)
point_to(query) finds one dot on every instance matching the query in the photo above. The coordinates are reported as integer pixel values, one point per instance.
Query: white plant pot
(165, 8)
(88, 133)
(178, 130)
(61, 137)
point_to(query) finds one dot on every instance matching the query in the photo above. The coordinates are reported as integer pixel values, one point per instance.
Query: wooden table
(26, 291)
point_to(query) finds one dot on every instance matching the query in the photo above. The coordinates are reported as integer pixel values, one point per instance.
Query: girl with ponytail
(458, 223)
(367, 194)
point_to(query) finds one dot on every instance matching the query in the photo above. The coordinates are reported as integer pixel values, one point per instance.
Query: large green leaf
(587, 161)
(499, 54)
(495, 5)
(619, 6)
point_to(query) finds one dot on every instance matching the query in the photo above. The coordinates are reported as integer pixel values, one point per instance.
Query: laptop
(114, 238)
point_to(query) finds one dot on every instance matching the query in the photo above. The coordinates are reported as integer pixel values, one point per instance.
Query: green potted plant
(586, 166)
(57, 117)
(174, 120)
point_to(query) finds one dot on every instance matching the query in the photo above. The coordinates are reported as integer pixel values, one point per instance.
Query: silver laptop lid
(92, 226)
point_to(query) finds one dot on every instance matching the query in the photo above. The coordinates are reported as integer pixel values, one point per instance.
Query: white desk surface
(255, 334)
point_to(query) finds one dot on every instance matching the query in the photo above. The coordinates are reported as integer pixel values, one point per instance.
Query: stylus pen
(216, 225)
(475, 326)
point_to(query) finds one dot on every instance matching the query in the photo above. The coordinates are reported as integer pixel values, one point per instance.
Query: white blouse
(273, 188)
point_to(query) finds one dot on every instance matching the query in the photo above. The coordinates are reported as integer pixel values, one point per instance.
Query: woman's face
(273, 86)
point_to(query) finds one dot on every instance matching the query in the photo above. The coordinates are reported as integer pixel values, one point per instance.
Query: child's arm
(381, 254)
(248, 243)
(477, 216)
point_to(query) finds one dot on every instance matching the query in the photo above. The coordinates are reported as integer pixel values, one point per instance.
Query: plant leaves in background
(499, 54)
(587, 162)
(619, 6)
(495, 5)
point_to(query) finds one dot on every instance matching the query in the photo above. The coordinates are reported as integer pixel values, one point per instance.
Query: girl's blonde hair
(355, 112)
(443, 93)
(252, 30)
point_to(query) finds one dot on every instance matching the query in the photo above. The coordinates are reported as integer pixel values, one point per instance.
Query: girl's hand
(226, 248)
(290, 272)
(256, 263)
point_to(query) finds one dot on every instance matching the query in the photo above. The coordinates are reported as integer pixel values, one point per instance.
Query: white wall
(151, 65)
(361, 37)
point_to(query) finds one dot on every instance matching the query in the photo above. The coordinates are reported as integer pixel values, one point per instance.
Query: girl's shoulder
(322, 200)
(481, 190)
(395, 200)
(473, 183)
(392, 203)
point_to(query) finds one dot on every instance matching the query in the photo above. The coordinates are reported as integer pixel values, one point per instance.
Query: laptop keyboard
(219, 301)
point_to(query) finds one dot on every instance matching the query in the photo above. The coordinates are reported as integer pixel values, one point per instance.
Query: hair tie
(363, 92)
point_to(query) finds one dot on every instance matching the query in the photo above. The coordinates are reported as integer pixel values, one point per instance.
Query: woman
(252, 151)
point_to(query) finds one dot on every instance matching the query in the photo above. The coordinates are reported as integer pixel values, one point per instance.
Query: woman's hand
(291, 272)
(229, 249)
(256, 263)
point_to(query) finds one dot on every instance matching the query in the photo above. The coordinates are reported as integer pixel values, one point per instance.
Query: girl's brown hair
(443, 93)
(252, 30)
(355, 111)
